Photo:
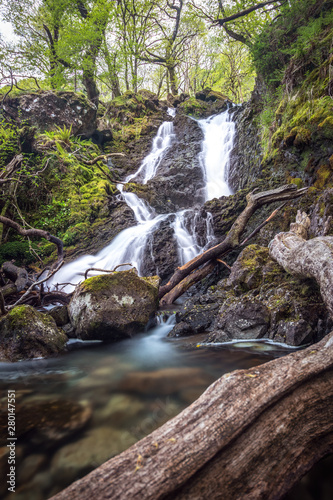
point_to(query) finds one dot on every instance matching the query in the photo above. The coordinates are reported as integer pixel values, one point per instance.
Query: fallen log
(252, 434)
(307, 259)
(18, 275)
(231, 241)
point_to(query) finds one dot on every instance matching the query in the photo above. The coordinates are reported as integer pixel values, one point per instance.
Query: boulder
(47, 420)
(82, 456)
(243, 319)
(26, 333)
(47, 109)
(113, 306)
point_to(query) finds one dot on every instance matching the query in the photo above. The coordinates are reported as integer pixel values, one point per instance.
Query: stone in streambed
(26, 333)
(165, 381)
(77, 459)
(113, 306)
(47, 421)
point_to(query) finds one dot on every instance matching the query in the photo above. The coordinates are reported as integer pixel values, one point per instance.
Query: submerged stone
(113, 306)
(26, 333)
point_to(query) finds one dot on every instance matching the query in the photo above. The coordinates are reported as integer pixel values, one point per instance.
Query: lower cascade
(130, 245)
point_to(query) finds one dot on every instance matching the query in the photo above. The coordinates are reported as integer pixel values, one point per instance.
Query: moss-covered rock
(113, 306)
(26, 333)
(46, 109)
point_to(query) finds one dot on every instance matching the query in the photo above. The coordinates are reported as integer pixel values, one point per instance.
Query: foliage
(292, 36)
(8, 142)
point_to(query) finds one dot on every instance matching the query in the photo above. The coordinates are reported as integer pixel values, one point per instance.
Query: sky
(6, 30)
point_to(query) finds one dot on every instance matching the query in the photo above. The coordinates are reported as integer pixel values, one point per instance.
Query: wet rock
(121, 410)
(45, 109)
(246, 156)
(165, 381)
(198, 313)
(294, 332)
(26, 333)
(258, 299)
(244, 319)
(194, 318)
(287, 309)
(103, 231)
(179, 182)
(30, 466)
(161, 255)
(60, 315)
(114, 306)
(48, 421)
(99, 445)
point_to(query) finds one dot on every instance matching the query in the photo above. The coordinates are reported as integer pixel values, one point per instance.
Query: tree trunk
(252, 435)
(173, 80)
(307, 259)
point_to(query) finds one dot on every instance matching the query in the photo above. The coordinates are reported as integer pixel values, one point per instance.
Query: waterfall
(130, 245)
(219, 131)
(150, 164)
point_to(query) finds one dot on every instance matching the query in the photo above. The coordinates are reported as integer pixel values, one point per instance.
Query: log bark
(252, 434)
(232, 240)
(18, 275)
(307, 259)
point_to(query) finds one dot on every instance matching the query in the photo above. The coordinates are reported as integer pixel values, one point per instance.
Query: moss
(324, 177)
(296, 180)
(193, 107)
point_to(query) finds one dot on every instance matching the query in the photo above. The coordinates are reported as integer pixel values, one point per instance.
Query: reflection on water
(76, 411)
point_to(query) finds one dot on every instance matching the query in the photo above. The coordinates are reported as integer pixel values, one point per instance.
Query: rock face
(114, 306)
(258, 300)
(163, 256)
(26, 333)
(44, 110)
(179, 181)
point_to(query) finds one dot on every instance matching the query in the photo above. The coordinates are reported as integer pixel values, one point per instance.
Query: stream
(76, 411)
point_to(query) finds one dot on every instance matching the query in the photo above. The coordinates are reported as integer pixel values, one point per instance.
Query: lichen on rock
(113, 306)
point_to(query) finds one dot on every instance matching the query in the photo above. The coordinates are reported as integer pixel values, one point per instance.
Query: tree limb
(34, 233)
(242, 13)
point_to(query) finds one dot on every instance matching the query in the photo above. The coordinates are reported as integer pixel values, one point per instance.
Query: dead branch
(232, 240)
(252, 434)
(18, 275)
(34, 233)
(36, 284)
(105, 270)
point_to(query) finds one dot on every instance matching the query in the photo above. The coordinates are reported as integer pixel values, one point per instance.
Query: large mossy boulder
(26, 333)
(113, 306)
(47, 109)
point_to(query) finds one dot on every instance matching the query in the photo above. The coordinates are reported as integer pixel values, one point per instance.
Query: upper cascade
(150, 164)
(219, 132)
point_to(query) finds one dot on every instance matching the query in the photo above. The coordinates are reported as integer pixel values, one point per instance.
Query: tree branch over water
(232, 240)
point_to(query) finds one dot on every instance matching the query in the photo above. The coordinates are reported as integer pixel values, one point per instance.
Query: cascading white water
(150, 164)
(188, 246)
(129, 246)
(219, 131)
